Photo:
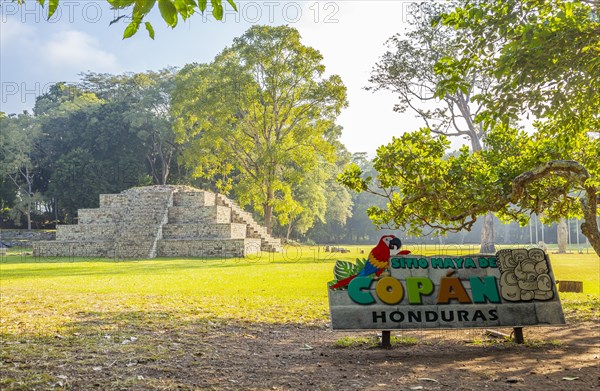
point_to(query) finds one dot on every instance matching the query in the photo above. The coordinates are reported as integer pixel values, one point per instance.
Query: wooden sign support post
(386, 339)
(518, 335)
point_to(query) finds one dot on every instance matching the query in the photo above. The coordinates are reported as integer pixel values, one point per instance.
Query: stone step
(204, 214)
(254, 230)
(99, 216)
(258, 230)
(133, 199)
(112, 200)
(202, 230)
(193, 199)
(131, 235)
(271, 249)
(207, 247)
(105, 231)
(79, 248)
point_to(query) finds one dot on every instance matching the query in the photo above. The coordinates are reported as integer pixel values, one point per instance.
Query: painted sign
(405, 291)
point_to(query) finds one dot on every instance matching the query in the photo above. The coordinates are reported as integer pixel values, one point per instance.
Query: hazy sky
(35, 53)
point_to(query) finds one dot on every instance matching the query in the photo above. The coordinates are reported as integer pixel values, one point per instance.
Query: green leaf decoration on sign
(345, 269)
(342, 269)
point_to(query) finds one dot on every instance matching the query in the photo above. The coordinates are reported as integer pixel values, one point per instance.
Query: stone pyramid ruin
(161, 221)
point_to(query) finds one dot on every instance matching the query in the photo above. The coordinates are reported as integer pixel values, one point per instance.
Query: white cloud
(13, 32)
(72, 49)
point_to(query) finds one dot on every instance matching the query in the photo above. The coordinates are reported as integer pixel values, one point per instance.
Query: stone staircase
(145, 210)
(253, 229)
(161, 221)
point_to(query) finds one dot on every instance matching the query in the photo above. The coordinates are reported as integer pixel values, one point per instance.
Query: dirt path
(267, 357)
(308, 359)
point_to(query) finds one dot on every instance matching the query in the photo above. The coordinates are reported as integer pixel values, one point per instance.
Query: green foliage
(138, 10)
(425, 186)
(95, 145)
(545, 57)
(255, 119)
(19, 145)
(320, 200)
(448, 103)
(146, 101)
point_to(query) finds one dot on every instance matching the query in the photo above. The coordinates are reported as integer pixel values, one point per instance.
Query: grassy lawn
(79, 316)
(50, 296)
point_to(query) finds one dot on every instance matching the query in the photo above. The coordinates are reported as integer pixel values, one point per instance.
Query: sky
(36, 53)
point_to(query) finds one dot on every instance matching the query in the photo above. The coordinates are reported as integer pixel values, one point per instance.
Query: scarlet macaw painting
(376, 263)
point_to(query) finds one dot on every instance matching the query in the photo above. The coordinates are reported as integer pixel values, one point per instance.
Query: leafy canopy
(255, 119)
(137, 10)
(544, 56)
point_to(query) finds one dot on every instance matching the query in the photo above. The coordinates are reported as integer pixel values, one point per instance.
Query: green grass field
(68, 320)
(46, 297)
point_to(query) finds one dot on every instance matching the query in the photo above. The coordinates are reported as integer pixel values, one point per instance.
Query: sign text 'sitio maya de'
(513, 288)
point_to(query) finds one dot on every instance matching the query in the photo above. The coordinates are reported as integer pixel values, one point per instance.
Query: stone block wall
(194, 199)
(208, 214)
(84, 249)
(204, 230)
(208, 248)
(108, 215)
(105, 231)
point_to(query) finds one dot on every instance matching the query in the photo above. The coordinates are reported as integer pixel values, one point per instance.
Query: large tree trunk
(487, 235)
(29, 195)
(590, 226)
(29, 216)
(562, 236)
(165, 174)
(268, 209)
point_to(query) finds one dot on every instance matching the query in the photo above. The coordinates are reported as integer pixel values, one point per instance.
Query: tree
(409, 69)
(543, 53)
(147, 97)
(137, 10)
(89, 148)
(425, 186)
(551, 172)
(356, 227)
(18, 141)
(322, 200)
(254, 119)
(547, 64)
